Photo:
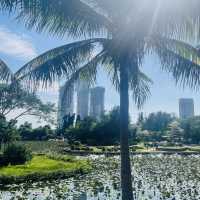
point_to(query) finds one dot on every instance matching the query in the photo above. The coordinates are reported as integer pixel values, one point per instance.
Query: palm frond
(179, 18)
(139, 83)
(140, 87)
(180, 47)
(110, 66)
(183, 65)
(73, 17)
(59, 62)
(5, 72)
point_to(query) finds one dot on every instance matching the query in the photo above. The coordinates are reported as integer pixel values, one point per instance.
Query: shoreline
(86, 153)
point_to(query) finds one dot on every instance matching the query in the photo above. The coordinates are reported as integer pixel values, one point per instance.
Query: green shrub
(16, 154)
(103, 149)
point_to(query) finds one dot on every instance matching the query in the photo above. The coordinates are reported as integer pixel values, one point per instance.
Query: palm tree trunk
(126, 180)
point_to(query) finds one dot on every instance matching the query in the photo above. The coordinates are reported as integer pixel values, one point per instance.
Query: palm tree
(115, 35)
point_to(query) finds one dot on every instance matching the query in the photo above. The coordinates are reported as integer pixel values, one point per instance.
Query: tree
(13, 98)
(175, 133)
(91, 132)
(157, 121)
(118, 36)
(82, 131)
(8, 131)
(104, 129)
(25, 131)
(191, 129)
(99, 133)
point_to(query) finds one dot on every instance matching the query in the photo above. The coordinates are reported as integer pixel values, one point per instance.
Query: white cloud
(16, 45)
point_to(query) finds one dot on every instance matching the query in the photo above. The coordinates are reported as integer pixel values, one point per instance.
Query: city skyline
(81, 100)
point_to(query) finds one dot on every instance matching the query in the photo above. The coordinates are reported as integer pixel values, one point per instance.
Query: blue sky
(18, 45)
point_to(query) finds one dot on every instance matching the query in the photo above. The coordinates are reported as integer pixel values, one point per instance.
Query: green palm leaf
(59, 62)
(141, 90)
(180, 63)
(5, 72)
(65, 16)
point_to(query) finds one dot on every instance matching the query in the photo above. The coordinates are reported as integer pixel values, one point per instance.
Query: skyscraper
(186, 108)
(65, 103)
(97, 96)
(82, 99)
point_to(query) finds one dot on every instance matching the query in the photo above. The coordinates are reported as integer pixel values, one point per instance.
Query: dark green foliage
(68, 120)
(16, 154)
(157, 121)
(41, 133)
(25, 131)
(8, 131)
(176, 132)
(82, 131)
(104, 132)
(107, 131)
(153, 128)
(191, 129)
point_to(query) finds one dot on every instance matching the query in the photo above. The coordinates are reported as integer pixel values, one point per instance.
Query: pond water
(157, 177)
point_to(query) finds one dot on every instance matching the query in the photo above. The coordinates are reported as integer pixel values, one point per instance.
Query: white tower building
(186, 108)
(97, 96)
(65, 103)
(82, 99)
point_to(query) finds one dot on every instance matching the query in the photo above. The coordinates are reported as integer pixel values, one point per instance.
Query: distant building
(83, 99)
(97, 96)
(65, 103)
(186, 108)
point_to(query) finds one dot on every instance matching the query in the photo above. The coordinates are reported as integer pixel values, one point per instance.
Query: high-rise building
(82, 99)
(186, 108)
(97, 96)
(65, 103)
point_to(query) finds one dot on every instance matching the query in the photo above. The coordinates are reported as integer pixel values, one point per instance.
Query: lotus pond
(157, 177)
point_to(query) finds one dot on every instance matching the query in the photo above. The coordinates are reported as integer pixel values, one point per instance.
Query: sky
(19, 45)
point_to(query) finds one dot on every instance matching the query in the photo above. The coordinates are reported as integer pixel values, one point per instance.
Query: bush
(16, 155)
(103, 149)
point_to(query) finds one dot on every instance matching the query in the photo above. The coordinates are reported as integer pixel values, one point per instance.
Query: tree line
(166, 127)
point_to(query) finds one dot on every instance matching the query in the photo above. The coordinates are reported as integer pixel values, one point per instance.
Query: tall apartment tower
(186, 108)
(65, 103)
(97, 96)
(83, 99)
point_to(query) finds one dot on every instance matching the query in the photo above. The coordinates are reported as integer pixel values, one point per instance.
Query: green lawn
(43, 168)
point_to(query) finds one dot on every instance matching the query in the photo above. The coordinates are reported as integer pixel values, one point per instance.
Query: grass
(43, 167)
